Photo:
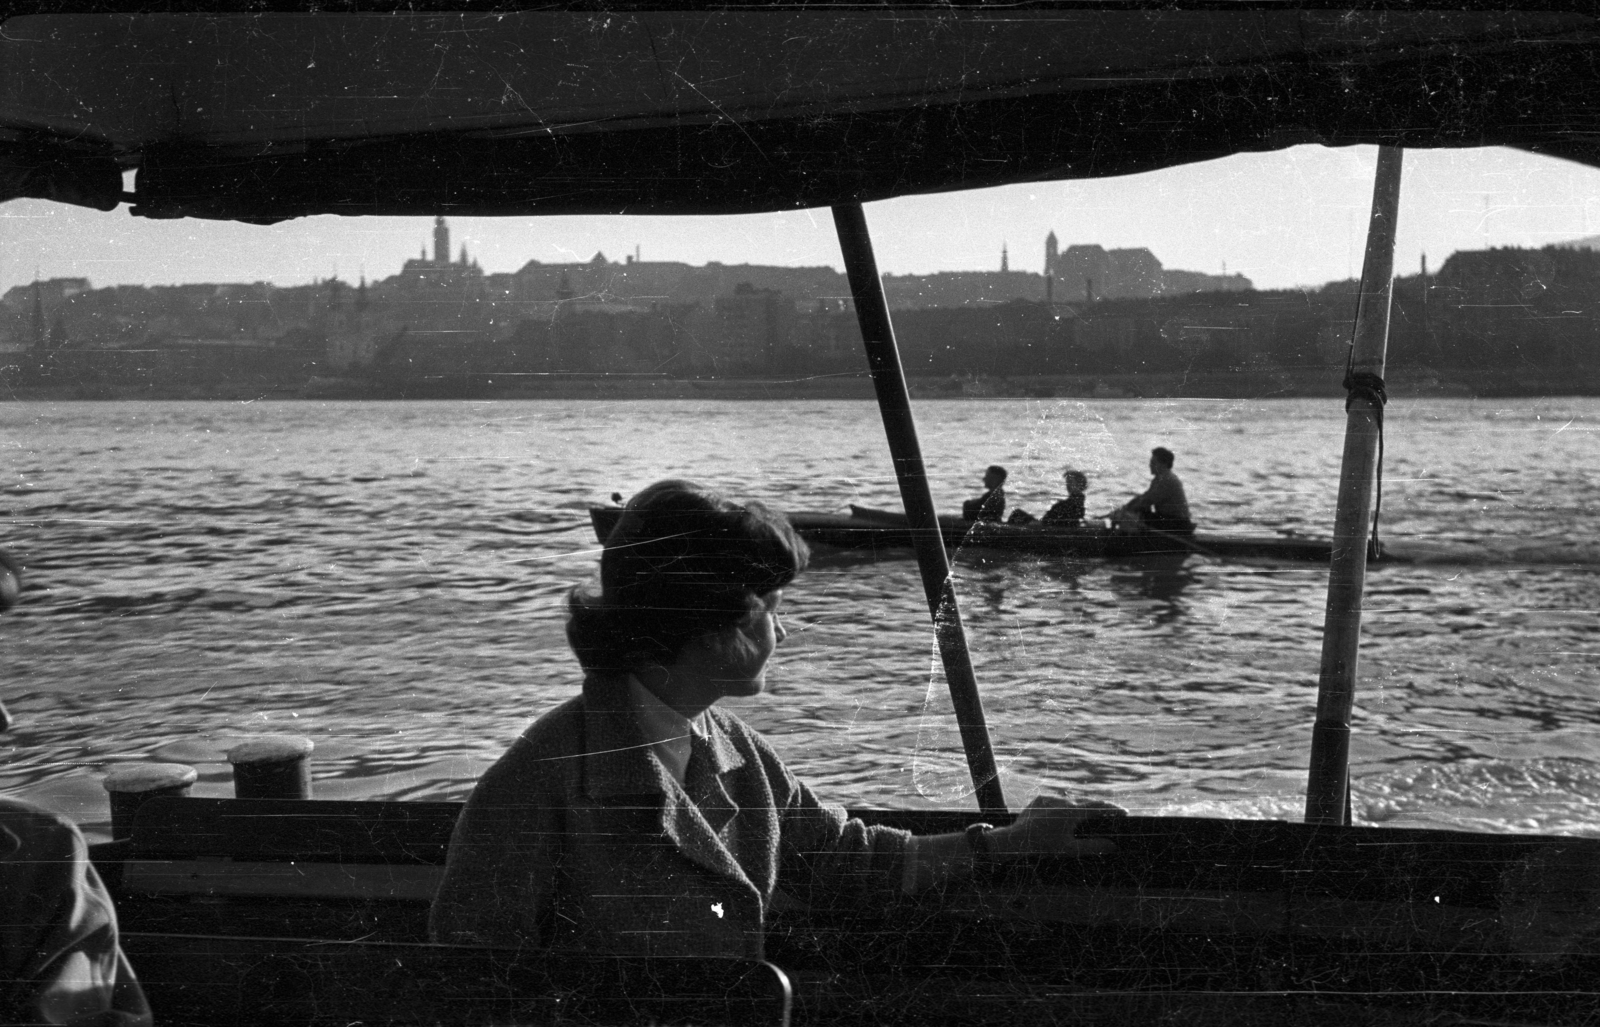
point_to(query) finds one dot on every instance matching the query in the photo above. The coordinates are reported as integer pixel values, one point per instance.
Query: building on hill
(639, 284)
(1511, 308)
(644, 284)
(1086, 273)
(961, 289)
(49, 290)
(758, 325)
(1180, 283)
(441, 277)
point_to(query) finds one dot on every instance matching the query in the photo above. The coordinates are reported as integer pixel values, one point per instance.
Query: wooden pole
(894, 403)
(1328, 783)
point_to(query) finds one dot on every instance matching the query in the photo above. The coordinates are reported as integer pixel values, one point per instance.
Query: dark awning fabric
(262, 117)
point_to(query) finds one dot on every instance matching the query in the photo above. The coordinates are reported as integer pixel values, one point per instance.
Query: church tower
(1005, 259)
(38, 317)
(441, 241)
(1052, 249)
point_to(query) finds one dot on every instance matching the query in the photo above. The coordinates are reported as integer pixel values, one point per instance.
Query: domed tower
(1051, 251)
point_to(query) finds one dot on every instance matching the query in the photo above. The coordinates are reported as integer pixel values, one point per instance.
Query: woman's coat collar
(619, 763)
(617, 759)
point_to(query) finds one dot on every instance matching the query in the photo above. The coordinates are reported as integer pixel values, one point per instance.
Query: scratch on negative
(679, 76)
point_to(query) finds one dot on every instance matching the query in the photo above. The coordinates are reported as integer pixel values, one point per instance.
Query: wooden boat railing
(1189, 911)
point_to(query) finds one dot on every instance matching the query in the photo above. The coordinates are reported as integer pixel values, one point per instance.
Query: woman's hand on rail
(1049, 825)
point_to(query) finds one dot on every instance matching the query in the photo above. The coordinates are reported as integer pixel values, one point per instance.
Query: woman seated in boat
(1068, 513)
(1162, 506)
(991, 506)
(639, 818)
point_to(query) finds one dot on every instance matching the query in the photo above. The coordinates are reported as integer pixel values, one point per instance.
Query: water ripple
(390, 579)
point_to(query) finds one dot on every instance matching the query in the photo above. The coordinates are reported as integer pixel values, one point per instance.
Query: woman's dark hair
(682, 562)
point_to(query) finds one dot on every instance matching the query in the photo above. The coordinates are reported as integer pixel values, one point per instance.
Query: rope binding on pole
(1369, 386)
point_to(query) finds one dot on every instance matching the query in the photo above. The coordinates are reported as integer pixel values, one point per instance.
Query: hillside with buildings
(441, 326)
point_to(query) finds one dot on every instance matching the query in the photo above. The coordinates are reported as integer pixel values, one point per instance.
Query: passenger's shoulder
(33, 832)
(556, 723)
(549, 744)
(19, 812)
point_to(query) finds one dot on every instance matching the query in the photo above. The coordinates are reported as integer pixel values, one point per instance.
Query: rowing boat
(1099, 541)
(888, 533)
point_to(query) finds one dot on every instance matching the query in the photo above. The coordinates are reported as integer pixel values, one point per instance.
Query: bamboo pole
(894, 403)
(1328, 782)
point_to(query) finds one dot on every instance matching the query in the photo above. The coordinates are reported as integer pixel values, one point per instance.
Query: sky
(1294, 217)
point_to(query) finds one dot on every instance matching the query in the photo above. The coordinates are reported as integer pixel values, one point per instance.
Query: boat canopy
(267, 116)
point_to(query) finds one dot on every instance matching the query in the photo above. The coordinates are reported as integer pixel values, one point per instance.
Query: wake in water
(1550, 795)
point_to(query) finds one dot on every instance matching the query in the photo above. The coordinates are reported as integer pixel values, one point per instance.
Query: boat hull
(884, 531)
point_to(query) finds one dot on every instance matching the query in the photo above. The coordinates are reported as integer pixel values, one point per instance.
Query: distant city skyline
(1290, 218)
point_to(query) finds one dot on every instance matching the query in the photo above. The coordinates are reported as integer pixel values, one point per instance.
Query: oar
(553, 531)
(1182, 540)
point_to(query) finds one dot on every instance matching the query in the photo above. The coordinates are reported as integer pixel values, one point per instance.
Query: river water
(387, 579)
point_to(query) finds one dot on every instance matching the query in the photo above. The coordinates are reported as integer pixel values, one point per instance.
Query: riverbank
(1254, 383)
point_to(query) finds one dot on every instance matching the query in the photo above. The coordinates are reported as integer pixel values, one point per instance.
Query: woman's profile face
(733, 662)
(758, 637)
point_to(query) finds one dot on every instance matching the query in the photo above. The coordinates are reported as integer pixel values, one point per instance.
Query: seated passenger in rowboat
(1162, 506)
(991, 506)
(1068, 513)
(637, 817)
